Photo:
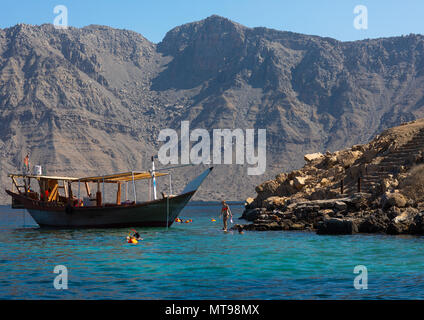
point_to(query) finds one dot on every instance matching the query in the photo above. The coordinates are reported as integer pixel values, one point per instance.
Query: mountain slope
(84, 101)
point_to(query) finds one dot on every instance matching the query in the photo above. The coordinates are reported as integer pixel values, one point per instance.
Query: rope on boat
(174, 167)
(167, 212)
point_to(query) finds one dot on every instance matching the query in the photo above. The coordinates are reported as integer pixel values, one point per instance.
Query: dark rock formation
(337, 226)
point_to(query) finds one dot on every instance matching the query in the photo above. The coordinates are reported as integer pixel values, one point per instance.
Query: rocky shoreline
(359, 213)
(372, 188)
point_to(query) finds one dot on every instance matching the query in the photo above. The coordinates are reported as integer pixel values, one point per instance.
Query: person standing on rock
(226, 213)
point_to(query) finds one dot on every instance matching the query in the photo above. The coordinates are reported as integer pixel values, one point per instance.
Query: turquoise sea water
(199, 261)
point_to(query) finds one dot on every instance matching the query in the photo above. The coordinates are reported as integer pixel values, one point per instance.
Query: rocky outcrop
(252, 214)
(336, 226)
(394, 199)
(313, 156)
(330, 195)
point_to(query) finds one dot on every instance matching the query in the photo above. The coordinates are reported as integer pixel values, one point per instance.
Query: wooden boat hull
(156, 213)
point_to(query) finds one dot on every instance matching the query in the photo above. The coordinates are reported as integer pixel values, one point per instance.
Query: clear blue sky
(153, 18)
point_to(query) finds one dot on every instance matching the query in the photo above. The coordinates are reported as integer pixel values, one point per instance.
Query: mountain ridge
(95, 98)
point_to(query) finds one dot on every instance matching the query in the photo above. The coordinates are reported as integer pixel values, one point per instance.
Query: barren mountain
(93, 100)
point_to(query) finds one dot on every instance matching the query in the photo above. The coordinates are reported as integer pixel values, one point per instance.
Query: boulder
(285, 189)
(360, 200)
(325, 182)
(305, 212)
(326, 213)
(406, 215)
(313, 156)
(297, 226)
(358, 147)
(402, 223)
(294, 173)
(274, 226)
(281, 177)
(396, 199)
(274, 202)
(311, 171)
(263, 217)
(299, 182)
(417, 226)
(330, 161)
(348, 158)
(336, 226)
(258, 227)
(248, 201)
(285, 224)
(252, 214)
(335, 171)
(323, 194)
(375, 222)
(267, 189)
(261, 226)
(393, 213)
(325, 203)
(308, 190)
(340, 205)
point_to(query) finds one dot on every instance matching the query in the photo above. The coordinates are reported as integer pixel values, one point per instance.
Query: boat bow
(193, 185)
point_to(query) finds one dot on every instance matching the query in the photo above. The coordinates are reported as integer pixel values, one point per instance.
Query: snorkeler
(136, 235)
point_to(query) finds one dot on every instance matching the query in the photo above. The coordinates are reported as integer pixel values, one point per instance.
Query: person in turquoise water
(226, 213)
(136, 235)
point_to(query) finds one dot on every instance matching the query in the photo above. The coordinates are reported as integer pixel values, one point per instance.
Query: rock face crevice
(99, 96)
(372, 188)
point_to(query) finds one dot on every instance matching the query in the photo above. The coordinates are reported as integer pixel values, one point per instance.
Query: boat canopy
(41, 177)
(122, 177)
(111, 178)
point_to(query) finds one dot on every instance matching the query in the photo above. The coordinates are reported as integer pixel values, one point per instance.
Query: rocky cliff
(375, 187)
(85, 101)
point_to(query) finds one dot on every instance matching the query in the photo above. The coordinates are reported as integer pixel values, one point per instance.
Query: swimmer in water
(226, 213)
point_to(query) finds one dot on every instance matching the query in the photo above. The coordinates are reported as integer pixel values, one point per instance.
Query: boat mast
(79, 189)
(126, 191)
(153, 178)
(103, 190)
(170, 183)
(135, 193)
